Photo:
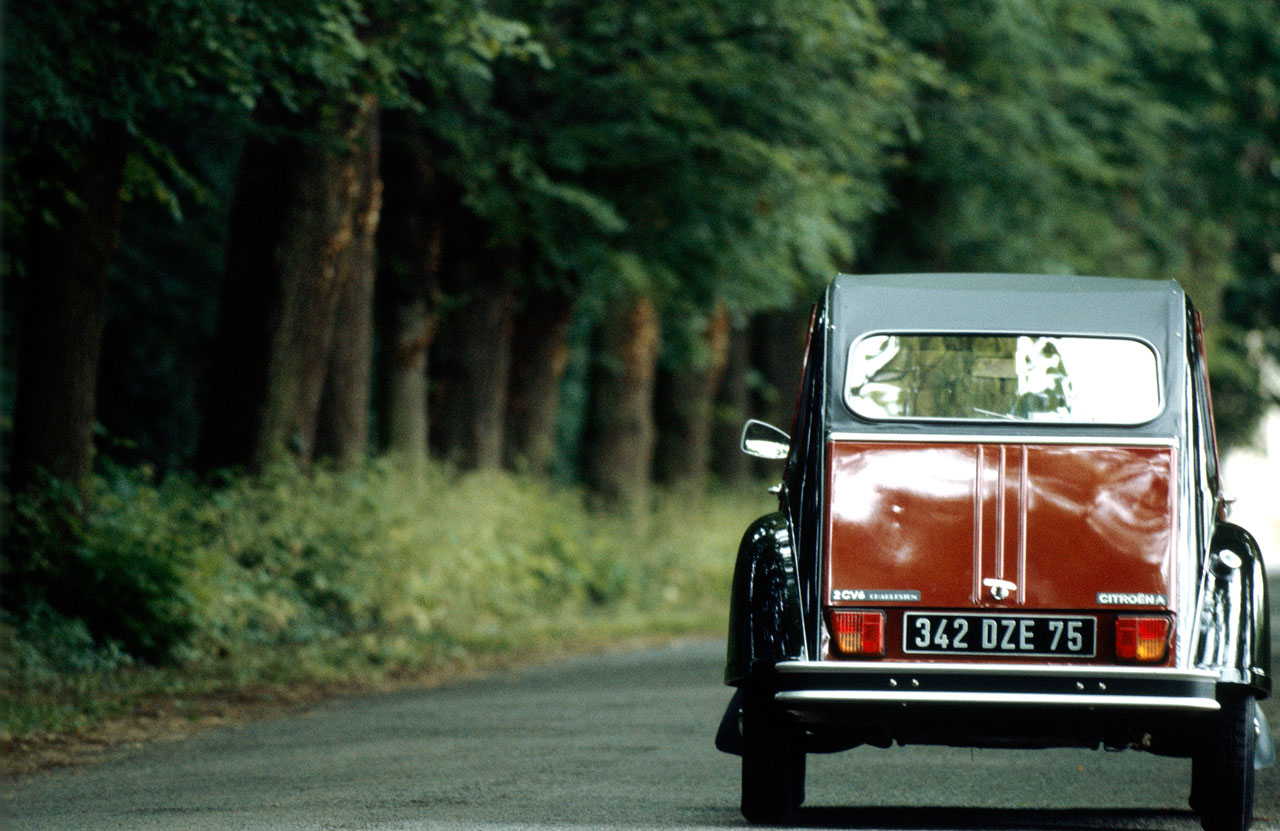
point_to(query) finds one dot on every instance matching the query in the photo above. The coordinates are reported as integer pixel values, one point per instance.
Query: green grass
(288, 579)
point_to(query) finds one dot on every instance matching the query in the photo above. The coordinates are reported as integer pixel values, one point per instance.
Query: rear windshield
(1041, 378)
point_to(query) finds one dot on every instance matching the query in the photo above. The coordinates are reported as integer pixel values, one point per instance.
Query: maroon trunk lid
(1065, 527)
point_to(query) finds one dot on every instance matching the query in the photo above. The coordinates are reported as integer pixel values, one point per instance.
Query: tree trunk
(64, 312)
(778, 342)
(410, 243)
(236, 377)
(686, 398)
(344, 414)
(294, 217)
(408, 328)
(618, 447)
(539, 355)
(731, 411)
(473, 355)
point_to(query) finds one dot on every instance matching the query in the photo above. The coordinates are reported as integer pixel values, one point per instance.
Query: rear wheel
(773, 763)
(1222, 771)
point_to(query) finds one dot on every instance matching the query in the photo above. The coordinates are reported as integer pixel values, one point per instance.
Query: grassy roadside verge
(270, 591)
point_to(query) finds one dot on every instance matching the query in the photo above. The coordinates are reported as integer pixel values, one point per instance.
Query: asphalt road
(615, 741)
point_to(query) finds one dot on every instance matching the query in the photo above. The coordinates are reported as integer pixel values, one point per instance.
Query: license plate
(1053, 636)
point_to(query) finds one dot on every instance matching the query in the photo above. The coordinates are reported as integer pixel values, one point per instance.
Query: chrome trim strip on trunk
(1022, 526)
(977, 526)
(1004, 438)
(1082, 700)
(1000, 512)
(923, 669)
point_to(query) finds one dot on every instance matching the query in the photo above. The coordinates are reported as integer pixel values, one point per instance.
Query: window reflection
(1042, 378)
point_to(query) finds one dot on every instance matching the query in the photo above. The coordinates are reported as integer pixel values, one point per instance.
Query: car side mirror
(764, 441)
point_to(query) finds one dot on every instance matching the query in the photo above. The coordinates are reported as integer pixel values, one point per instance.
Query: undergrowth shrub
(116, 566)
(334, 574)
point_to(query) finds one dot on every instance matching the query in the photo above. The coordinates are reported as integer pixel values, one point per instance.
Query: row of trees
(501, 230)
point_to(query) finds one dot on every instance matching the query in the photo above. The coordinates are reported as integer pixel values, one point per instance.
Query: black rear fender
(765, 620)
(1234, 635)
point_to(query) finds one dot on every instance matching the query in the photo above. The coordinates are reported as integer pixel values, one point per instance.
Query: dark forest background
(575, 237)
(572, 240)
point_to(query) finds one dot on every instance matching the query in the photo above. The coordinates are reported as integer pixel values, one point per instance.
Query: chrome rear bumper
(807, 683)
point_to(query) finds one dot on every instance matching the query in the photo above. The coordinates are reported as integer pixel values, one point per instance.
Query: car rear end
(1031, 576)
(1000, 537)
(1000, 525)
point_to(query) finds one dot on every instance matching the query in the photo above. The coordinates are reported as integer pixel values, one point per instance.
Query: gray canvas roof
(1153, 311)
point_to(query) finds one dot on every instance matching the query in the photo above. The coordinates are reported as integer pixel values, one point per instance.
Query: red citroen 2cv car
(1000, 525)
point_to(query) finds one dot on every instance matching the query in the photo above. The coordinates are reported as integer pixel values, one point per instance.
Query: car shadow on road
(942, 818)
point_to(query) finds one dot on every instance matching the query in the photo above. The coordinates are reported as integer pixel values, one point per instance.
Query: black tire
(1222, 772)
(799, 764)
(773, 763)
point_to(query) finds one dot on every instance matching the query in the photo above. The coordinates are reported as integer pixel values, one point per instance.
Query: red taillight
(858, 633)
(1143, 639)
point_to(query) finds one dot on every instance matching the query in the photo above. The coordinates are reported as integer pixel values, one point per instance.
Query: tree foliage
(623, 156)
(1045, 147)
(1126, 137)
(1241, 138)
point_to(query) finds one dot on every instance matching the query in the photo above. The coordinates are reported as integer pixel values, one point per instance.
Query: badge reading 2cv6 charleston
(875, 595)
(1000, 524)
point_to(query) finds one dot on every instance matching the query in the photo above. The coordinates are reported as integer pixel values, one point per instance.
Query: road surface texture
(616, 741)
